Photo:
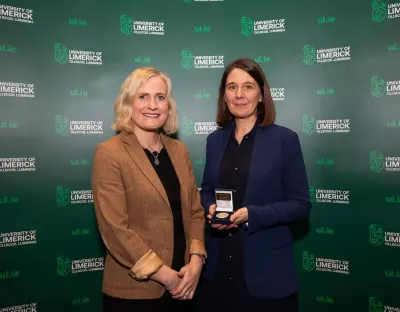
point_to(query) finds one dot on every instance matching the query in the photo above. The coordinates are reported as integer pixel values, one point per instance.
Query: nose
(239, 92)
(152, 104)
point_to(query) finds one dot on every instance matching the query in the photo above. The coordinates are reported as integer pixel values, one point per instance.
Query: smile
(151, 115)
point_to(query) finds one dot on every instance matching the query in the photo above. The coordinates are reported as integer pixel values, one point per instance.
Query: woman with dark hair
(250, 258)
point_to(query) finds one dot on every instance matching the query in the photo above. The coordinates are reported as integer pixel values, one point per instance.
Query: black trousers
(111, 304)
(215, 297)
(228, 289)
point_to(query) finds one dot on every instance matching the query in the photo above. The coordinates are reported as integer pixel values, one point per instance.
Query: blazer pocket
(281, 244)
(279, 241)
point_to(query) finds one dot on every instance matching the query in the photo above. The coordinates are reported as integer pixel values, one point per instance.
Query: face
(150, 105)
(242, 94)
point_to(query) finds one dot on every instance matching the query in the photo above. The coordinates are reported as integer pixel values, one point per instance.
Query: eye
(231, 87)
(142, 97)
(249, 87)
(161, 97)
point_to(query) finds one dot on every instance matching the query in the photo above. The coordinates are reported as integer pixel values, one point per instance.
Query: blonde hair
(123, 103)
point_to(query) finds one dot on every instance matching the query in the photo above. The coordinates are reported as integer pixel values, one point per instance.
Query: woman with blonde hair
(146, 202)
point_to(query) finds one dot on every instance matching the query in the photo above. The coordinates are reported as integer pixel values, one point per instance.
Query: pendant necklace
(155, 155)
(156, 161)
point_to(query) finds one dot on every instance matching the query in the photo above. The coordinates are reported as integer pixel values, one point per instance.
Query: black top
(235, 166)
(168, 178)
(229, 282)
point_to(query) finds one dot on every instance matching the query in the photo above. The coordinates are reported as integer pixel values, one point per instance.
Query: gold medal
(221, 215)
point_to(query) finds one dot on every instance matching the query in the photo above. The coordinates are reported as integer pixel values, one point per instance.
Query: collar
(251, 133)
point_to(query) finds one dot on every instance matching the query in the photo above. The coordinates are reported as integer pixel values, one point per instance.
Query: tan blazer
(134, 216)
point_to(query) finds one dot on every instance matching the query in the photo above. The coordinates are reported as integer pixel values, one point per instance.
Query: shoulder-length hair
(123, 103)
(266, 113)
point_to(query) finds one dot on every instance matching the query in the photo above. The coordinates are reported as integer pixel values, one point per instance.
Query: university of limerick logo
(308, 261)
(60, 53)
(63, 266)
(308, 124)
(188, 126)
(126, 24)
(187, 60)
(376, 162)
(312, 193)
(62, 125)
(309, 55)
(63, 196)
(379, 10)
(377, 86)
(247, 25)
(376, 235)
(375, 305)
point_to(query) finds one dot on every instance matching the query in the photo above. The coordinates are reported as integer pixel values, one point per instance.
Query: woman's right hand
(211, 212)
(167, 277)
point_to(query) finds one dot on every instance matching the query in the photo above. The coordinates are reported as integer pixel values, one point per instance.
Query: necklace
(156, 161)
(156, 154)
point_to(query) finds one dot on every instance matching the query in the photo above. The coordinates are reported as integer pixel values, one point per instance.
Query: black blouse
(235, 166)
(166, 173)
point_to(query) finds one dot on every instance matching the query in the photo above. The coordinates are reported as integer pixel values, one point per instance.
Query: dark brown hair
(265, 110)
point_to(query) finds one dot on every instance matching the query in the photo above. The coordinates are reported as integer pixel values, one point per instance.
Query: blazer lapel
(176, 160)
(257, 158)
(138, 155)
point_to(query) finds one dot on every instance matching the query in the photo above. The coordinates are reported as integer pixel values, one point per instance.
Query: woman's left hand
(190, 275)
(240, 216)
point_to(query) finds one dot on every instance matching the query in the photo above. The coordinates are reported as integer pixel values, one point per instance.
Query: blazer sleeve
(207, 193)
(297, 204)
(124, 244)
(197, 222)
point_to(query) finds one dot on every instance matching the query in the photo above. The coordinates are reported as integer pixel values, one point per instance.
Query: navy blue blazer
(276, 194)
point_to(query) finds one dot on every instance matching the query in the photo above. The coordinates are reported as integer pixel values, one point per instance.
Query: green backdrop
(334, 70)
